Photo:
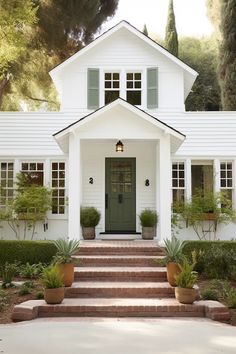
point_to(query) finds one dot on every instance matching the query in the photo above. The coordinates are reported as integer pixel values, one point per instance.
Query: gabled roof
(176, 136)
(189, 73)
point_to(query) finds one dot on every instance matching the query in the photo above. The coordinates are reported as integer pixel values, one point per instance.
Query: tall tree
(16, 20)
(171, 37)
(145, 30)
(222, 13)
(227, 55)
(63, 27)
(201, 55)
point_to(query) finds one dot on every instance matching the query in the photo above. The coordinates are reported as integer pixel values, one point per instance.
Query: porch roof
(62, 135)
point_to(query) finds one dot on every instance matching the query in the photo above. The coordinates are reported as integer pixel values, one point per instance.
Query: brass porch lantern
(119, 146)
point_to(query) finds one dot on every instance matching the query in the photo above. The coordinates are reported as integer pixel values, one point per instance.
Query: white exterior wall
(122, 52)
(93, 161)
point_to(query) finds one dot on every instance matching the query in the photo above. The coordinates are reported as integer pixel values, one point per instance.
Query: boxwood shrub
(215, 259)
(26, 251)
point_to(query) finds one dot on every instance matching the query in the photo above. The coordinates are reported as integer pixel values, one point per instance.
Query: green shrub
(148, 218)
(24, 290)
(89, 217)
(3, 300)
(8, 271)
(39, 295)
(26, 251)
(31, 271)
(210, 294)
(215, 259)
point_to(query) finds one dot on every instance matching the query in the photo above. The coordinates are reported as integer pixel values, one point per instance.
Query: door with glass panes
(120, 197)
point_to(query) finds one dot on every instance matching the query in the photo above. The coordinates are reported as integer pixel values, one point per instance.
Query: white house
(121, 87)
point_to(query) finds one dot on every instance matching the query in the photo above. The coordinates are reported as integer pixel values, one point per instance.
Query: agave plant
(65, 250)
(174, 250)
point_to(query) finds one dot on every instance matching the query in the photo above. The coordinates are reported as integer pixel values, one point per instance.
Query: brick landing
(120, 279)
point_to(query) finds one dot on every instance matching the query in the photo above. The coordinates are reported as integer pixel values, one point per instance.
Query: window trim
(132, 71)
(104, 89)
(13, 178)
(178, 162)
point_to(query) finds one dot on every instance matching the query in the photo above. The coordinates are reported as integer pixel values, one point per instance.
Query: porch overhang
(62, 136)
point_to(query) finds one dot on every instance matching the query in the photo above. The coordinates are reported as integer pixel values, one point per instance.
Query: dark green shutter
(152, 88)
(93, 88)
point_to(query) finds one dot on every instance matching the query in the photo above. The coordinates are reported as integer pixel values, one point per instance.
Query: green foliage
(51, 278)
(195, 212)
(31, 270)
(187, 278)
(171, 37)
(29, 206)
(58, 29)
(215, 259)
(202, 55)
(227, 55)
(8, 271)
(65, 250)
(210, 294)
(89, 217)
(22, 251)
(39, 295)
(3, 300)
(229, 295)
(148, 218)
(26, 288)
(174, 250)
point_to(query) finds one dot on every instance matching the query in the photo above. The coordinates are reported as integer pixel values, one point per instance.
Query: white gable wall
(123, 52)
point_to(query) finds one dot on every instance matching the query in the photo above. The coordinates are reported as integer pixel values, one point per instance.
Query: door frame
(134, 194)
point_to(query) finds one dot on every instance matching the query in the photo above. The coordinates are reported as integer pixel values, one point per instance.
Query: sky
(191, 19)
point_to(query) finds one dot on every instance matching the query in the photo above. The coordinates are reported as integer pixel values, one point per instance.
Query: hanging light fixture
(119, 146)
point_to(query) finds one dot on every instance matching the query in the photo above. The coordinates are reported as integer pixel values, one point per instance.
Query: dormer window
(112, 87)
(134, 88)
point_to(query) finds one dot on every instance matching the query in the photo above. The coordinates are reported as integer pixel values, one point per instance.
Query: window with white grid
(112, 87)
(34, 172)
(226, 178)
(58, 187)
(6, 183)
(178, 181)
(134, 88)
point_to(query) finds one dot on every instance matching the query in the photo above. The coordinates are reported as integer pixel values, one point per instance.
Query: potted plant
(53, 285)
(185, 292)
(63, 259)
(148, 219)
(89, 219)
(174, 255)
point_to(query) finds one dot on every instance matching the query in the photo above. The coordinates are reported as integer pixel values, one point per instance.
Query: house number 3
(91, 180)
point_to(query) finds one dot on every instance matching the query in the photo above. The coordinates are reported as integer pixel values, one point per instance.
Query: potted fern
(53, 285)
(89, 219)
(185, 292)
(63, 258)
(173, 256)
(148, 220)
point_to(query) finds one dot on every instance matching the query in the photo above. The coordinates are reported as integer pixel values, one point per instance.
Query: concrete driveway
(117, 336)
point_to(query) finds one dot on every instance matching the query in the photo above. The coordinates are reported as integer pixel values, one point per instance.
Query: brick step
(108, 261)
(119, 308)
(120, 290)
(137, 274)
(120, 248)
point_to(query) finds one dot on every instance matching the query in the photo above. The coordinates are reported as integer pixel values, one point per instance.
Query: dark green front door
(120, 199)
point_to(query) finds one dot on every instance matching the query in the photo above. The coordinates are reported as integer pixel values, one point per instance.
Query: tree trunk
(3, 85)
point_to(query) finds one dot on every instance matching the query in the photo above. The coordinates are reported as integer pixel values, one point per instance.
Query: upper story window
(112, 87)
(134, 88)
(34, 172)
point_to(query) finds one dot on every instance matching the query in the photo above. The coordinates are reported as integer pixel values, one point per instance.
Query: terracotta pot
(54, 296)
(172, 270)
(67, 273)
(148, 233)
(88, 233)
(185, 296)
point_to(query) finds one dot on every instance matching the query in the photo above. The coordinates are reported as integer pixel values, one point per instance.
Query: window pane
(134, 97)
(129, 84)
(116, 76)
(202, 178)
(111, 96)
(129, 76)
(108, 76)
(178, 195)
(107, 84)
(116, 84)
(137, 76)
(138, 84)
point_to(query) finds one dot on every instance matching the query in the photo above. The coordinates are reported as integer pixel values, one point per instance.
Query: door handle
(106, 201)
(120, 198)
